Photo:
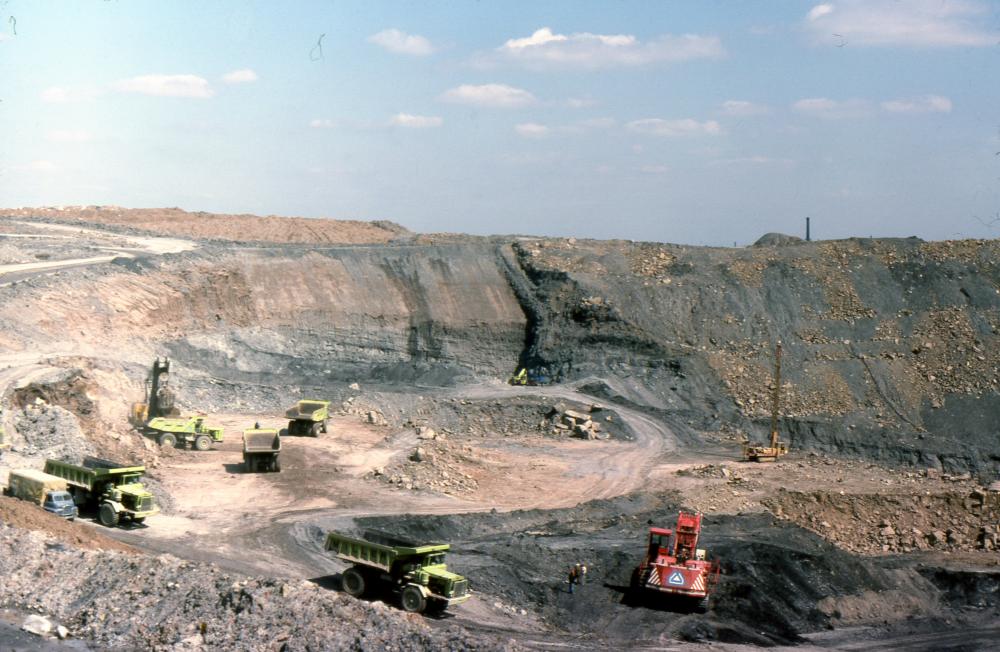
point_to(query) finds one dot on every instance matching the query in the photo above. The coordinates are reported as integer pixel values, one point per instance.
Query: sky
(701, 122)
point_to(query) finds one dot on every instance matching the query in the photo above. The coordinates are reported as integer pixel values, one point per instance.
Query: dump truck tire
(702, 605)
(324, 427)
(202, 442)
(168, 440)
(413, 599)
(107, 515)
(293, 428)
(354, 583)
(316, 429)
(277, 465)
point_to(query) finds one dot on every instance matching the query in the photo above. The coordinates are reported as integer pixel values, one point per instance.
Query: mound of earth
(17, 513)
(214, 226)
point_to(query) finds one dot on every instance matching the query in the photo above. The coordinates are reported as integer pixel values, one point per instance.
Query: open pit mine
(291, 434)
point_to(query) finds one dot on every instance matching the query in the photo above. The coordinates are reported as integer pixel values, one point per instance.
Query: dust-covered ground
(878, 531)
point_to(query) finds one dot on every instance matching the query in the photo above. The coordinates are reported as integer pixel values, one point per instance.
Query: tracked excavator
(159, 397)
(759, 453)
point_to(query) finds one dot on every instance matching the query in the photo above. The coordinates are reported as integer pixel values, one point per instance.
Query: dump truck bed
(370, 553)
(31, 484)
(93, 469)
(307, 410)
(261, 441)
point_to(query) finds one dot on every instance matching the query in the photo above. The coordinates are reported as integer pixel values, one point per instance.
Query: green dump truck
(171, 431)
(261, 447)
(416, 573)
(308, 417)
(114, 490)
(47, 491)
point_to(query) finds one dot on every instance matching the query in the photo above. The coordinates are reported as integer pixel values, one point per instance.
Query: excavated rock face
(891, 347)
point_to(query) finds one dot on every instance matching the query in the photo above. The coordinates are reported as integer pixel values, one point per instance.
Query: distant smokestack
(807, 230)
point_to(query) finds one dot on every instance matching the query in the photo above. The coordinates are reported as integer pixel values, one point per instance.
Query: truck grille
(460, 588)
(145, 505)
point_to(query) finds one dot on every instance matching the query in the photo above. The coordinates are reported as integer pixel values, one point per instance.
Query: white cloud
(66, 94)
(415, 121)
(320, 123)
(580, 102)
(493, 95)
(673, 128)
(544, 48)
(166, 86)
(822, 107)
(69, 136)
(592, 51)
(925, 104)
(399, 42)
(743, 108)
(243, 76)
(531, 130)
(914, 23)
(819, 11)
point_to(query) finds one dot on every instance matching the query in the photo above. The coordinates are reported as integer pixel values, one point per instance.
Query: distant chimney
(807, 230)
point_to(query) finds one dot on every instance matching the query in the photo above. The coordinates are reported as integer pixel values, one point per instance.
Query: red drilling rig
(675, 566)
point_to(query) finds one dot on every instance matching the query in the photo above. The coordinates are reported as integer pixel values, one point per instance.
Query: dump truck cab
(61, 504)
(46, 490)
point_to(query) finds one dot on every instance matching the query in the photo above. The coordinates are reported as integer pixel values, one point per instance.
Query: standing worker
(574, 576)
(582, 579)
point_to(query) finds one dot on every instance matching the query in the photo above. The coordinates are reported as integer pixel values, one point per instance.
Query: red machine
(675, 565)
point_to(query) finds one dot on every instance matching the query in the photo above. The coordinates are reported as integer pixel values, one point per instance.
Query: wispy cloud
(925, 104)
(399, 42)
(914, 23)
(244, 76)
(743, 108)
(166, 86)
(822, 107)
(415, 121)
(321, 123)
(674, 128)
(69, 94)
(531, 130)
(547, 49)
(489, 95)
(69, 136)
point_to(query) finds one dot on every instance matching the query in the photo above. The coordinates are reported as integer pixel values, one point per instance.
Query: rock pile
(884, 523)
(49, 431)
(577, 424)
(434, 465)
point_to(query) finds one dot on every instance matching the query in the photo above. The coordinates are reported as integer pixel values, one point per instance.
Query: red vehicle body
(675, 566)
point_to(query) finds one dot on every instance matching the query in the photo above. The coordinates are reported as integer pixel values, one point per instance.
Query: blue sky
(692, 122)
